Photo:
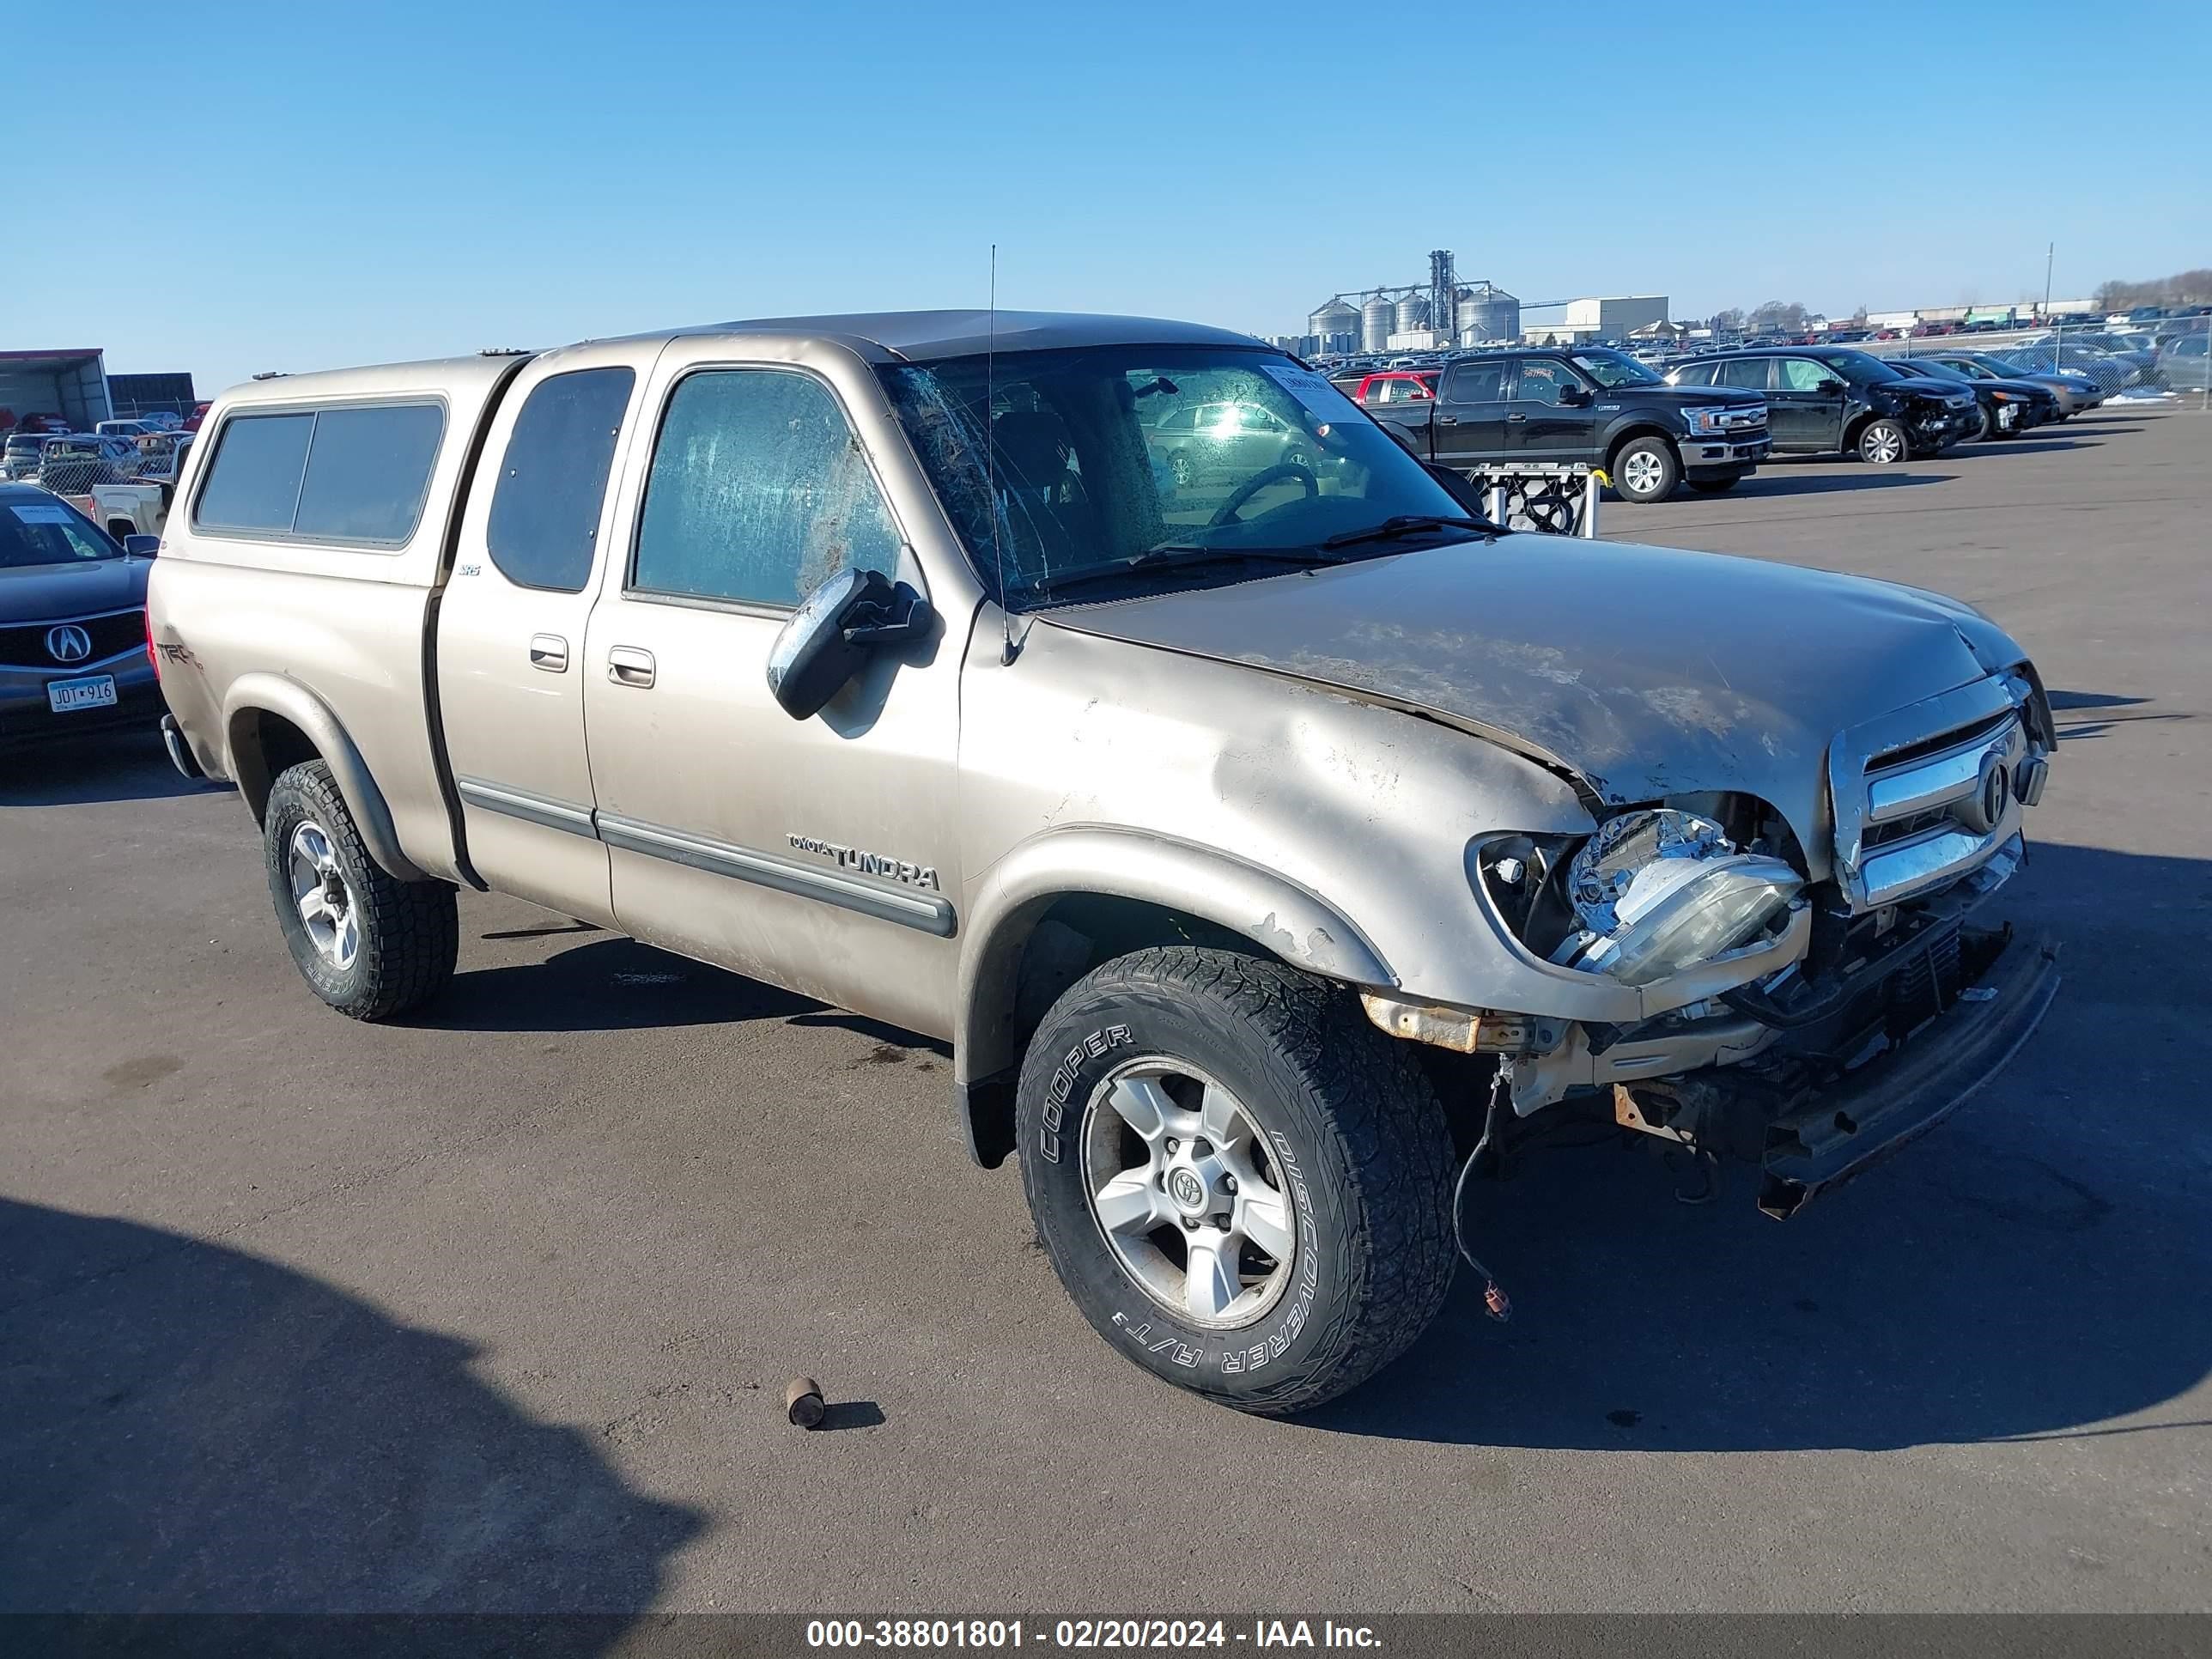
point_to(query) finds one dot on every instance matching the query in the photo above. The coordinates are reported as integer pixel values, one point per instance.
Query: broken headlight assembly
(1654, 891)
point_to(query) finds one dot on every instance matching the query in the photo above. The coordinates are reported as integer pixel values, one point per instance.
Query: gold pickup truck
(1275, 842)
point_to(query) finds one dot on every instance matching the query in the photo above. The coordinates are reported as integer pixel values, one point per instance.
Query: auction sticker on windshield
(1316, 394)
(34, 514)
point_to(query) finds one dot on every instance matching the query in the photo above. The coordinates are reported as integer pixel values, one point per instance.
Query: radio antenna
(991, 458)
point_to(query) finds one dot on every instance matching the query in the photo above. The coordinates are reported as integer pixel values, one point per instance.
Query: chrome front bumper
(1893, 1100)
(1698, 453)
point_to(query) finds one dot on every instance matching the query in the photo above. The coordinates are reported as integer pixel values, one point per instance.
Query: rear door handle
(627, 665)
(549, 652)
(1447, 420)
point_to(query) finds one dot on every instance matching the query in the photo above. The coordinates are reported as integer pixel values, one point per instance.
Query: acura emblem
(68, 643)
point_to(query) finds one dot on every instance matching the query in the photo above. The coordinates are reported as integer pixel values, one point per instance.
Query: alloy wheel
(1185, 1194)
(324, 897)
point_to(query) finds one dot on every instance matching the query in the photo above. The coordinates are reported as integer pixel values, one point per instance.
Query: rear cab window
(353, 473)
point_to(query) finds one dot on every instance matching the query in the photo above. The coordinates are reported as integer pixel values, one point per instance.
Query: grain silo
(1334, 327)
(1377, 319)
(1413, 313)
(1486, 312)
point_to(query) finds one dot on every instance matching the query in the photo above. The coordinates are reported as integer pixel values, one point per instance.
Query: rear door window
(1476, 382)
(545, 525)
(1746, 374)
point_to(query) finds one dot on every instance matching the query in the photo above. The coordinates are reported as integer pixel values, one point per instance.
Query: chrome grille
(1914, 793)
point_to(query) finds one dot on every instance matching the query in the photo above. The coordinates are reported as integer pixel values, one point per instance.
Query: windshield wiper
(1180, 555)
(1409, 524)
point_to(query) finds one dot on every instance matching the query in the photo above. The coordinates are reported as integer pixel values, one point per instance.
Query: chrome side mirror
(828, 637)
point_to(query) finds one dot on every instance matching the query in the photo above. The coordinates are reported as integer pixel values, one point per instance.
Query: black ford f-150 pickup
(1592, 405)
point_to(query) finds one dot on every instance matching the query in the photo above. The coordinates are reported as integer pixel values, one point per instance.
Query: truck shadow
(189, 1428)
(2069, 711)
(107, 766)
(2028, 443)
(2038, 1266)
(611, 984)
(1784, 480)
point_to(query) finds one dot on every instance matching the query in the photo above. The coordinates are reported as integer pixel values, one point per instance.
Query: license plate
(67, 696)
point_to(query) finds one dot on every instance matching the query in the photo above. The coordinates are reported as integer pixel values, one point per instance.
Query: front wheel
(1882, 442)
(1987, 428)
(1243, 1185)
(367, 943)
(1646, 469)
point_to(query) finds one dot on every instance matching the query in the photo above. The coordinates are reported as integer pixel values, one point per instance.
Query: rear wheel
(1882, 442)
(1646, 469)
(1242, 1184)
(368, 944)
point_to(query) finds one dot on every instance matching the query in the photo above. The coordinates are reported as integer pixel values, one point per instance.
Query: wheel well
(1066, 938)
(1858, 423)
(263, 747)
(119, 528)
(1622, 440)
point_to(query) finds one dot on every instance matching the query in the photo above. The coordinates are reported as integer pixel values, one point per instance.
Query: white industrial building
(1615, 317)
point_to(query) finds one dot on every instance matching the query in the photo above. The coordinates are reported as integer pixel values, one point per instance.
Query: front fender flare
(1282, 917)
(279, 695)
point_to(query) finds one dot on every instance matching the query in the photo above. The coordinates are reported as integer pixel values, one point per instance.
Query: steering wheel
(1226, 513)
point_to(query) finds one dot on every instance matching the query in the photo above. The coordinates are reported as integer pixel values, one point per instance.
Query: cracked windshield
(1117, 461)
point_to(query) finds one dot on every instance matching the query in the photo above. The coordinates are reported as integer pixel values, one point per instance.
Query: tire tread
(411, 931)
(1386, 1125)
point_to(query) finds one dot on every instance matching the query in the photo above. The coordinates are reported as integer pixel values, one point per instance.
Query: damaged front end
(1807, 1024)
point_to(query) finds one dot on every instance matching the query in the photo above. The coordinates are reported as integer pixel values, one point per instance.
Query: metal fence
(69, 466)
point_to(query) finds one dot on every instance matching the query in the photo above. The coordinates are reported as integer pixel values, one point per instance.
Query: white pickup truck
(140, 506)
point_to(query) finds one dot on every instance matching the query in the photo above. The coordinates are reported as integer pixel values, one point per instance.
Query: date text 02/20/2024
(1080, 1634)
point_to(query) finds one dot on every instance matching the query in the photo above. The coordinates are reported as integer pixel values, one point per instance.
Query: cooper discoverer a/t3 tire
(368, 944)
(1244, 1186)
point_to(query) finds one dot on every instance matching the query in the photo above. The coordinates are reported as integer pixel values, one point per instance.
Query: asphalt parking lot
(492, 1309)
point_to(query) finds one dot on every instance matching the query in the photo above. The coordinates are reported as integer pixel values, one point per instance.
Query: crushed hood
(1645, 672)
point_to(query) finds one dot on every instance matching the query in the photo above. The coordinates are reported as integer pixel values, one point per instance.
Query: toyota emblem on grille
(1982, 811)
(68, 643)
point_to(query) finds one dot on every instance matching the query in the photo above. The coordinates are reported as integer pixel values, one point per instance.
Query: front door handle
(627, 665)
(549, 652)
(1516, 418)
(1447, 420)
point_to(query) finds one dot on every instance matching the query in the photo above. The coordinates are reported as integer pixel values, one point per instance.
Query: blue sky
(371, 182)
